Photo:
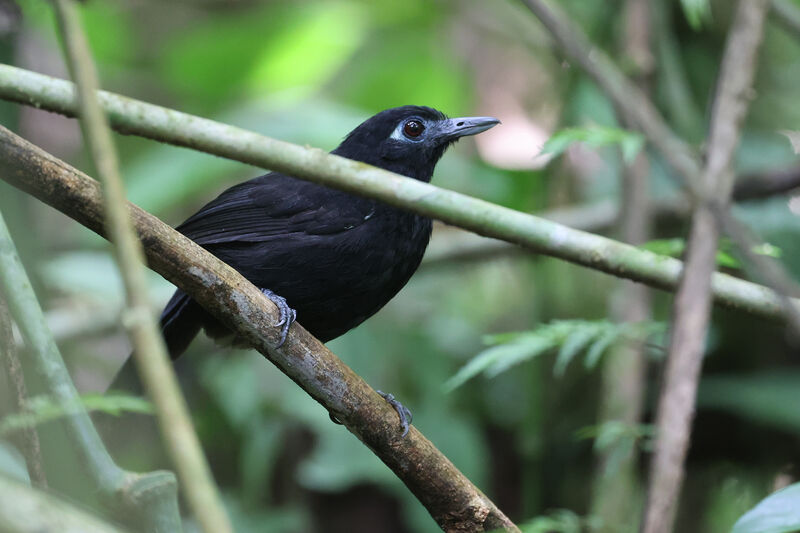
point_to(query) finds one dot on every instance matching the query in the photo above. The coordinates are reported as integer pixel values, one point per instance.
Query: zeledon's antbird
(329, 258)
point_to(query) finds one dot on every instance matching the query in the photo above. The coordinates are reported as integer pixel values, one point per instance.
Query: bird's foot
(287, 314)
(402, 411)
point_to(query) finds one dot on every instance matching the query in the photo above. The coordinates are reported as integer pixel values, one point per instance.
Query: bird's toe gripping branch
(402, 411)
(287, 314)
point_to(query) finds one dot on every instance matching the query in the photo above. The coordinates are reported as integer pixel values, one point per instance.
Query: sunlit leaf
(777, 513)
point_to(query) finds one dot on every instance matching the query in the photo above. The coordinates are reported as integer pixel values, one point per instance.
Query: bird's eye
(413, 128)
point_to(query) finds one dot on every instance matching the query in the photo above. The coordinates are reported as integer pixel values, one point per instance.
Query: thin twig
(312, 164)
(693, 301)
(149, 350)
(27, 438)
(453, 501)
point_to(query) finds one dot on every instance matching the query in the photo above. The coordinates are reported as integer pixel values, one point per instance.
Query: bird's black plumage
(336, 258)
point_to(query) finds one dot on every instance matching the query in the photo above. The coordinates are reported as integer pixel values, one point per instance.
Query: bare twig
(149, 349)
(453, 501)
(693, 301)
(27, 438)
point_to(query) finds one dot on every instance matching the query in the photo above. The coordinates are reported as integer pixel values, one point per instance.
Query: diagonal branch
(453, 501)
(693, 301)
(541, 236)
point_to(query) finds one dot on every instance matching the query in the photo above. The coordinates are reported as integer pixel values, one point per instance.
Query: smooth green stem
(151, 355)
(48, 364)
(26, 510)
(131, 116)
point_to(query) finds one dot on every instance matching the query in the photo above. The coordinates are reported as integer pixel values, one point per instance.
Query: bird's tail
(181, 321)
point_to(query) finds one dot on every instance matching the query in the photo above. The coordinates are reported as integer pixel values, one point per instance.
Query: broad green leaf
(768, 398)
(777, 513)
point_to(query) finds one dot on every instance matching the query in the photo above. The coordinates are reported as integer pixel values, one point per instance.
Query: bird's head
(409, 140)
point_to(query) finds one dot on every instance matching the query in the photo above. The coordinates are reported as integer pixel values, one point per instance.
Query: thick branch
(693, 301)
(150, 352)
(452, 500)
(482, 217)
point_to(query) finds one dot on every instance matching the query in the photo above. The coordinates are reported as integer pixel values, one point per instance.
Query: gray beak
(455, 128)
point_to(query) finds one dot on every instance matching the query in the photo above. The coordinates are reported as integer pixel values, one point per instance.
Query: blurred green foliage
(308, 72)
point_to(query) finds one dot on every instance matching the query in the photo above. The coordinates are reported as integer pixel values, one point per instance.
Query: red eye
(413, 128)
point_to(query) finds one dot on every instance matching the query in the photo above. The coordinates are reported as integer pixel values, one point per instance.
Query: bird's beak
(454, 128)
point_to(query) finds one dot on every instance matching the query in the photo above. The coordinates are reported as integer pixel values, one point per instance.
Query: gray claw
(287, 314)
(402, 411)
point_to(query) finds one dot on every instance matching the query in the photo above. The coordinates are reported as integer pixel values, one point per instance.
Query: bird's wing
(268, 207)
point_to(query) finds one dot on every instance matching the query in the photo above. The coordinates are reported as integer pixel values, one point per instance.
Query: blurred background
(529, 421)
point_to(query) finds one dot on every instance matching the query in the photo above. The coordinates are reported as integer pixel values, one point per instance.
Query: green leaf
(600, 346)
(696, 12)
(767, 398)
(41, 409)
(499, 358)
(574, 344)
(630, 142)
(777, 513)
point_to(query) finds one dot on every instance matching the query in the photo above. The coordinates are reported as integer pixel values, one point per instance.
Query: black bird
(332, 257)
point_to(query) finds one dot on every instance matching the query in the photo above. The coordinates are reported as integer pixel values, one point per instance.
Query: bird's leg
(402, 411)
(287, 314)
